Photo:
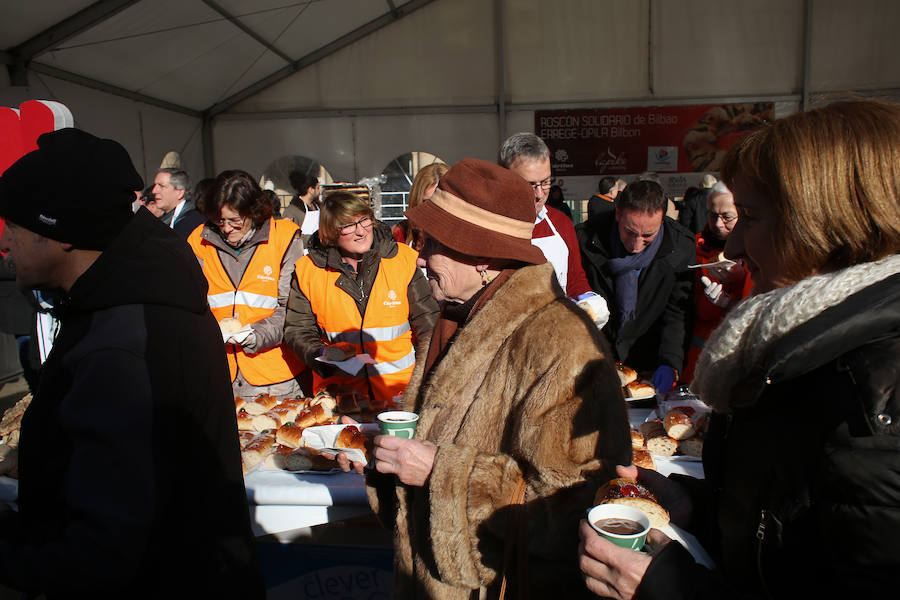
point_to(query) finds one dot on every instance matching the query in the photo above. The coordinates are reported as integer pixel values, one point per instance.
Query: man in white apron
(528, 156)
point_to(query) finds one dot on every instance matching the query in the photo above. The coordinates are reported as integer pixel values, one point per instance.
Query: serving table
(316, 534)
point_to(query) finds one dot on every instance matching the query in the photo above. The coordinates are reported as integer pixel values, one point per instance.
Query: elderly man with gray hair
(171, 189)
(721, 283)
(526, 155)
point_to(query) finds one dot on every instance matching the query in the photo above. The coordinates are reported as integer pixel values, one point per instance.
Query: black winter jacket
(130, 470)
(658, 333)
(802, 493)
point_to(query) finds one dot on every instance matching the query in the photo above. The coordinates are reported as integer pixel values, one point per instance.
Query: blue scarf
(626, 268)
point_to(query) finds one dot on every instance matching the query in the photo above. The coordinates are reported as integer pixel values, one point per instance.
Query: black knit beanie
(75, 188)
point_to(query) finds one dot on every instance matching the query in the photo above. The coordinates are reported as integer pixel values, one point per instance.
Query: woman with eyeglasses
(358, 292)
(723, 283)
(248, 258)
(802, 455)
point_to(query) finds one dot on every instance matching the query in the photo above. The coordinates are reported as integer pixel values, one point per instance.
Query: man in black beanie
(130, 471)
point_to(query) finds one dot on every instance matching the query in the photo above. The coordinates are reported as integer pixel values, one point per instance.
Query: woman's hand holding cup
(398, 453)
(410, 460)
(609, 570)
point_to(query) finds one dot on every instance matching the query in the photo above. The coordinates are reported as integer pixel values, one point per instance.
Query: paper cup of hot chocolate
(624, 526)
(398, 423)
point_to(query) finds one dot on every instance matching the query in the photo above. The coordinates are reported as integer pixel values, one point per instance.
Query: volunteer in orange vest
(721, 285)
(248, 260)
(358, 292)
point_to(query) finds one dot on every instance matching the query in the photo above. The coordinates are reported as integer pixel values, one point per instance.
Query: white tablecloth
(267, 487)
(284, 504)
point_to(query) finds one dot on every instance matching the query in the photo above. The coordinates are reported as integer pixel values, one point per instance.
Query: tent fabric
(355, 83)
(197, 53)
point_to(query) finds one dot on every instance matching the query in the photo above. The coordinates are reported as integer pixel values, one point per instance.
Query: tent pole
(807, 52)
(650, 85)
(501, 76)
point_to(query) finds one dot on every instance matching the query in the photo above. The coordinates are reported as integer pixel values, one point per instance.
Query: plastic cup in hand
(398, 423)
(624, 526)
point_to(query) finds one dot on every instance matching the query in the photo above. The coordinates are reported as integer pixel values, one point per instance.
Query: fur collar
(528, 290)
(739, 344)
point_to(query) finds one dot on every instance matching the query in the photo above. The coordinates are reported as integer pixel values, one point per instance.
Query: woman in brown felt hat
(518, 385)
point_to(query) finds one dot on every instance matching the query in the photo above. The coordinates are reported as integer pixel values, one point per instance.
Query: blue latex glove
(664, 379)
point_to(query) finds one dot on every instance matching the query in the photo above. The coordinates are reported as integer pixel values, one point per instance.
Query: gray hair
(718, 188)
(523, 145)
(179, 180)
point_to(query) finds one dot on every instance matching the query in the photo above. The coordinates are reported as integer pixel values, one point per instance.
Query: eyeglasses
(365, 222)
(726, 217)
(544, 185)
(235, 222)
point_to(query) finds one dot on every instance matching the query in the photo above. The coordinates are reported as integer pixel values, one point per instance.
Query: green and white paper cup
(398, 423)
(634, 541)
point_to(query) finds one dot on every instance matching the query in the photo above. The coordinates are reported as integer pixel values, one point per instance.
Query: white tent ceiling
(186, 55)
(355, 83)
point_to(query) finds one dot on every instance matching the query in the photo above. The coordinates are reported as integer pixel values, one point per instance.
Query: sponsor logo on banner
(609, 161)
(662, 158)
(392, 299)
(560, 160)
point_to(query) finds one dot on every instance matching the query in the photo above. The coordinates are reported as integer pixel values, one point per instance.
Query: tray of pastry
(273, 432)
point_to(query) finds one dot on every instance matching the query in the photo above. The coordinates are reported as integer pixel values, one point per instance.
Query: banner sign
(616, 141)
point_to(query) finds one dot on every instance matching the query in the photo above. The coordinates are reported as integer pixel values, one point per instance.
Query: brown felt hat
(482, 210)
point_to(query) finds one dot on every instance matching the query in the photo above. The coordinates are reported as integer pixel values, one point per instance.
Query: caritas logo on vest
(267, 274)
(392, 299)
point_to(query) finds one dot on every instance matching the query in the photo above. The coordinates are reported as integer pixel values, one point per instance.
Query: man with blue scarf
(637, 258)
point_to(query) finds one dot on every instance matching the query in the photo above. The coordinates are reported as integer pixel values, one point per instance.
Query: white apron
(554, 248)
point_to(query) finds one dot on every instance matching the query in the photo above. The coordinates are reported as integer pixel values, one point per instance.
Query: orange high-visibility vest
(384, 333)
(254, 299)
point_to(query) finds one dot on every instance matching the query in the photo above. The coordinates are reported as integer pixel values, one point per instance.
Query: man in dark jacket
(637, 259)
(171, 190)
(605, 198)
(130, 471)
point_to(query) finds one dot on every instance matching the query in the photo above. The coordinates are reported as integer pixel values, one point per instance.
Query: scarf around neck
(626, 269)
(752, 328)
(454, 317)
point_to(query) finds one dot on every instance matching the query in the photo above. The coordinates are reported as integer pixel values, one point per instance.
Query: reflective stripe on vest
(375, 334)
(255, 298)
(389, 368)
(385, 334)
(229, 299)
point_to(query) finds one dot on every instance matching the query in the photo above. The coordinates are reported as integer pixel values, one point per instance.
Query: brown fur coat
(527, 388)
